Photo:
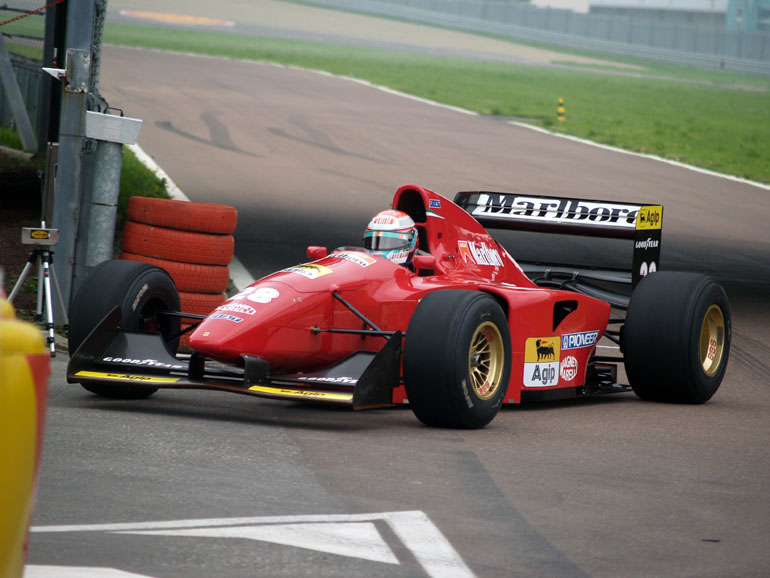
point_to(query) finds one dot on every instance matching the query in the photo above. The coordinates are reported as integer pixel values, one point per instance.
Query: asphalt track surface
(602, 488)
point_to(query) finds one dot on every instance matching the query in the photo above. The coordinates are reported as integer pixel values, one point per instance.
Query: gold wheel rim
(486, 360)
(712, 340)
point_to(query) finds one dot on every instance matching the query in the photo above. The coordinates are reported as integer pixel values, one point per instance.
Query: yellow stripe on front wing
(301, 393)
(127, 377)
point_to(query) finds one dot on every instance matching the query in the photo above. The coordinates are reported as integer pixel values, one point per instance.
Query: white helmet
(392, 235)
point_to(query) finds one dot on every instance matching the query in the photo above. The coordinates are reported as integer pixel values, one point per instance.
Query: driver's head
(392, 235)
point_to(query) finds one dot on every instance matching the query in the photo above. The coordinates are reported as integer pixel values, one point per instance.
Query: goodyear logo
(649, 217)
(578, 340)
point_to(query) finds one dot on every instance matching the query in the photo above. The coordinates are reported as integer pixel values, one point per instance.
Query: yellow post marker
(561, 112)
(24, 369)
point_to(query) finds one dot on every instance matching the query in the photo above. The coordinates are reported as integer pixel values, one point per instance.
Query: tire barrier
(24, 370)
(183, 215)
(193, 242)
(189, 277)
(175, 245)
(200, 303)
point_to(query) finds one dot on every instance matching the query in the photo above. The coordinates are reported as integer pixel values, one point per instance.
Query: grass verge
(135, 178)
(708, 119)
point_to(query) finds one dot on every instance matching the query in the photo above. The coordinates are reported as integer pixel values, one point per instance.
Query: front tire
(676, 338)
(457, 359)
(141, 291)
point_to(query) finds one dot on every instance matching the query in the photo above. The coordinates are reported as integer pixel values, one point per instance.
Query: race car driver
(392, 235)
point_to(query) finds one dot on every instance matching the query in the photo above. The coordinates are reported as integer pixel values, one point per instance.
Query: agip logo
(541, 361)
(650, 217)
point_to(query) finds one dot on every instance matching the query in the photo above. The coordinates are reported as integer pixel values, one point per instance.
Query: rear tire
(676, 338)
(457, 359)
(140, 290)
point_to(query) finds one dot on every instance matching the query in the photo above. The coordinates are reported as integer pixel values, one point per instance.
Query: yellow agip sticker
(649, 217)
(541, 361)
(127, 377)
(302, 393)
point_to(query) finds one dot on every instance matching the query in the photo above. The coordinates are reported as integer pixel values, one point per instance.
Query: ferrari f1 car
(460, 332)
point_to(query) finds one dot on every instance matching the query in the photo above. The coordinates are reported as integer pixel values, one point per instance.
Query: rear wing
(641, 223)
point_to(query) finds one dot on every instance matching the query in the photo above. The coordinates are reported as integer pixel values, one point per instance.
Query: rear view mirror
(424, 262)
(314, 252)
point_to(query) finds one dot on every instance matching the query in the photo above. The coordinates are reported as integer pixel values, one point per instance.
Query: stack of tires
(193, 242)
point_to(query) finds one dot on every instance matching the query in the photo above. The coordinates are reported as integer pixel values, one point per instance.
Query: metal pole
(99, 203)
(101, 171)
(104, 204)
(66, 205)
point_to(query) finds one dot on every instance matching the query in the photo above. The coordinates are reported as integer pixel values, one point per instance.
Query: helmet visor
(386, 240)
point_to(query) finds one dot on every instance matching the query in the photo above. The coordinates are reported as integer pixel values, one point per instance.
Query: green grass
(649, 67)
(693, 116)
(135, 178)
(10, 138)
(17, 43)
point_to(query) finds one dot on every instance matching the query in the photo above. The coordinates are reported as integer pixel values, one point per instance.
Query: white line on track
(40, 571)
(322, 532)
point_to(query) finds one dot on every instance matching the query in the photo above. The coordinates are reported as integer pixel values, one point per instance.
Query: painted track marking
(426, 542)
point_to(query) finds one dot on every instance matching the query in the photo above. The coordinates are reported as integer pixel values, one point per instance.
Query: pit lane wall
(745, 51)
(24, 370)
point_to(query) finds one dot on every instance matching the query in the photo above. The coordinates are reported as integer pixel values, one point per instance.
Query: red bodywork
(282, 317)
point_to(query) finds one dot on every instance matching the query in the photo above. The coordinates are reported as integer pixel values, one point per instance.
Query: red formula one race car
(457, 330)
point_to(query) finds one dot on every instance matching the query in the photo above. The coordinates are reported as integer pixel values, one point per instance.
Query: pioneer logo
(519, 207)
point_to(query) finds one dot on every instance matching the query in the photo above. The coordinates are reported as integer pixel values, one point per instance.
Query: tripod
(42, 257)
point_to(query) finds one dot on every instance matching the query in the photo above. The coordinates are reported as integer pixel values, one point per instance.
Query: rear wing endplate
(640, 222)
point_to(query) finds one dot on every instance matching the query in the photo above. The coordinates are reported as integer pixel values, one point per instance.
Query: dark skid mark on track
(749, 353)
(220, 135)
(318, 139)
(534, 555)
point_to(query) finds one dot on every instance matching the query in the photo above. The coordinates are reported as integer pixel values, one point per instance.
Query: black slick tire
(141, 290)
(457, 359)
(676, 338)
